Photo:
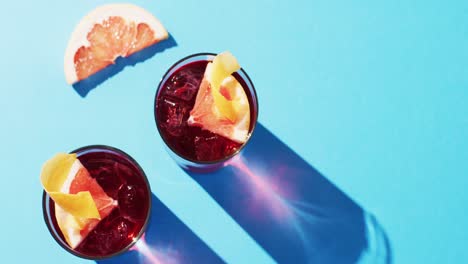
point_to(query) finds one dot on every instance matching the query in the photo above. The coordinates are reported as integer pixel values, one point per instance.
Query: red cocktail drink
(124, 181)
(195, 147)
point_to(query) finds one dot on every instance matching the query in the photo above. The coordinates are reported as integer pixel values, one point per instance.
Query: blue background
(368, 98)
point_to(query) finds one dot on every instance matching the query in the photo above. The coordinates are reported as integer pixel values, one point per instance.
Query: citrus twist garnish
(222, 106)
(53, 176)
(224, 64)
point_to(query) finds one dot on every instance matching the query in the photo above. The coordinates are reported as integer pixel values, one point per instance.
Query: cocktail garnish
(221, 105)
(80, 203)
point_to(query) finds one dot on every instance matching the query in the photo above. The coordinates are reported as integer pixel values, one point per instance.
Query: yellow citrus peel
(223, 65)
(239, 101)
(53, 175)
(222, 106)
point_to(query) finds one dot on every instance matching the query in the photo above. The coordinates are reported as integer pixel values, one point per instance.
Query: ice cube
(108, 180)
(184, 84)
(213, 147)
(98, 242)
(203, 148)
(132, 203)
(120, 231)
(123, 171)
(110, 235)
(174, 115)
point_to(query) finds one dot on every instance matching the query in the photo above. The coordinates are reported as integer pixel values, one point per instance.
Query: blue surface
(363, 104)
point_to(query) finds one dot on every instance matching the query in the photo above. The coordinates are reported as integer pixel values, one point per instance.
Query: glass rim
(249, 83)
(63, 244)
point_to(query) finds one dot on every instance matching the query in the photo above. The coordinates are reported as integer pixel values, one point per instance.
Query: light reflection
(274, 192)
(264, 189)
(152, 255)
(305, 217)
(277, 194)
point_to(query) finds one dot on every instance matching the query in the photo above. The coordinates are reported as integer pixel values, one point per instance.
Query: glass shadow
(291, 209)
(167, 240)
(83, 87)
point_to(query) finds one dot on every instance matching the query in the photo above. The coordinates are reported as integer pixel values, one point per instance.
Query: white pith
(71, 175)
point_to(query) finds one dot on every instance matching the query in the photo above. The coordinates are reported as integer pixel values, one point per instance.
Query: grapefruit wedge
(80, 202)
(106, 33)
(221, 105)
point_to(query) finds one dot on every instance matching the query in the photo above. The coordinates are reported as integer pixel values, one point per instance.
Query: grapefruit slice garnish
(80, 202)
(106, 33)
(221, 105)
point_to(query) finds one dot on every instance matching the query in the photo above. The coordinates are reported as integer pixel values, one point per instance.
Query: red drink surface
(174, 102)
(122, 180)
